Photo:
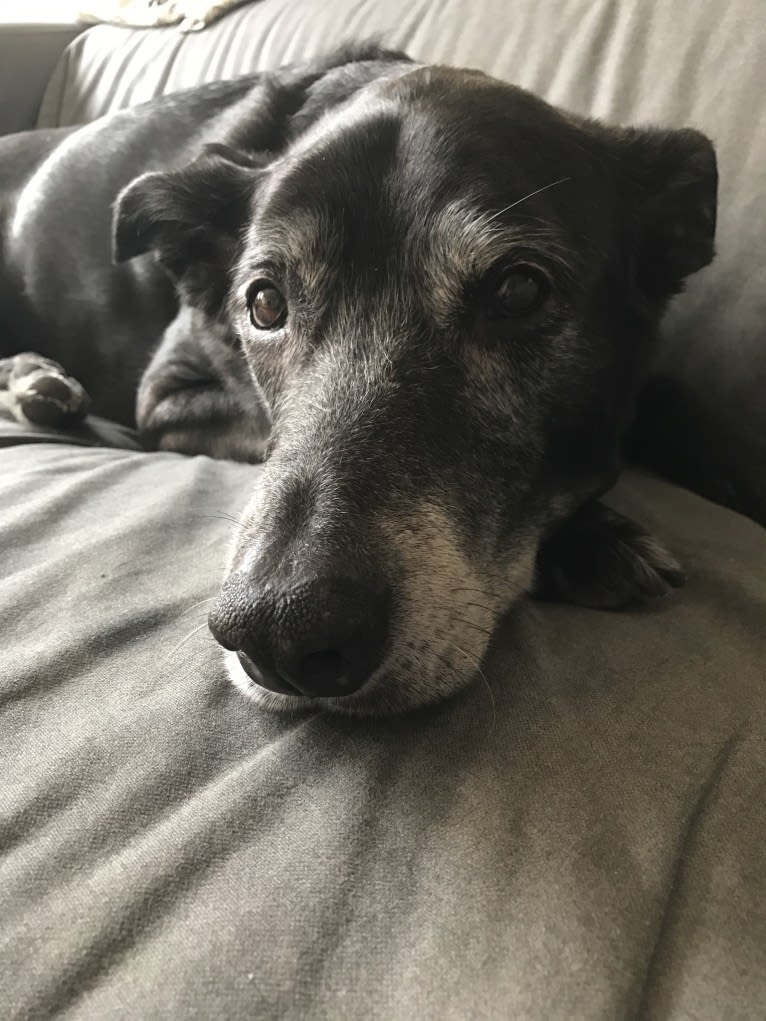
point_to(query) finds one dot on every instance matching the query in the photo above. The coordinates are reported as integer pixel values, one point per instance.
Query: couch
(585, 839)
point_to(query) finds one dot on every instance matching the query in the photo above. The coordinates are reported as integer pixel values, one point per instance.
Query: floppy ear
(673, 179)
(191, 218)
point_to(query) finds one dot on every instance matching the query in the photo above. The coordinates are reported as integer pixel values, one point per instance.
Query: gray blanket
(582, 837)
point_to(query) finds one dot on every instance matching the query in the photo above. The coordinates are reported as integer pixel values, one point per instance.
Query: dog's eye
(520, 290)
(266, 305)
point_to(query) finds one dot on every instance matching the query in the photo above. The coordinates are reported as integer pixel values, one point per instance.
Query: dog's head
(448, 292)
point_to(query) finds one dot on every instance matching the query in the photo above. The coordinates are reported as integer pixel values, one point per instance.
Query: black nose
(317, 636)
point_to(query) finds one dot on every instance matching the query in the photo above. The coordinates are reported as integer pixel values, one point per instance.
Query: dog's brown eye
(266, 305)
(521, 290)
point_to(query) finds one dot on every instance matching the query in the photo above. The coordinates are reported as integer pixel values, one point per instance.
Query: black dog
(428, 298)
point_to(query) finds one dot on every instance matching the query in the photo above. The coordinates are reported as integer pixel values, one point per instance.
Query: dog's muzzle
(319, 636)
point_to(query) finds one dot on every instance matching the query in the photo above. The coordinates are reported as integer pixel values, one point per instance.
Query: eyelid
(520, 258)
(511, 262)
(266, 269)
(519, 266)
(565, 279)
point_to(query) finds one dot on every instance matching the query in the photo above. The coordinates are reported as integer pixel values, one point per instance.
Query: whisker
(481, 592)
(183, 641)
(472, 659)
(449, 607)
(454, 671)
(479, 606)
(476, 627)
(531, 194)
(224, 516)
(450, 666)
(194, 606)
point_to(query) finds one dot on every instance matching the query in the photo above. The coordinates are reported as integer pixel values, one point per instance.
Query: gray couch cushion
(653, 62)
(591, 847)
(587, 843)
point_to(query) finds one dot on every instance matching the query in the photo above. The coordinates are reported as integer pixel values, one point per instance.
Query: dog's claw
(41, 392)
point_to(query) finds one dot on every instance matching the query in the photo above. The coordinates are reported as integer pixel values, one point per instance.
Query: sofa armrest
(28, 54)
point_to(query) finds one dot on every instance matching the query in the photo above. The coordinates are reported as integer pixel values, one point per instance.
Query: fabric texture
(579, 835)
(654, 62)
(588, 842)
(93, 432)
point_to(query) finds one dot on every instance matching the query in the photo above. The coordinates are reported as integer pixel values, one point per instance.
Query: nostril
(266, 676)
(324, 667)
(320, 637)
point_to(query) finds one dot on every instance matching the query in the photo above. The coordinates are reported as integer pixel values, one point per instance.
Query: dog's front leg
(601, 559)
(197, 397)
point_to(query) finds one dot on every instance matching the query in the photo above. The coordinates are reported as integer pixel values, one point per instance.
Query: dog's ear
(673, 181)
(191, 218)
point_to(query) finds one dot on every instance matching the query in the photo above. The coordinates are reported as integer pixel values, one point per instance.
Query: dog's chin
(380, 697)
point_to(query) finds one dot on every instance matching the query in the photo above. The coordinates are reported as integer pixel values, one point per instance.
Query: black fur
(421, 442)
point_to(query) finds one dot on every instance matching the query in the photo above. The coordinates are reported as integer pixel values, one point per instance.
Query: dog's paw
(601, 559)
(41, 392)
